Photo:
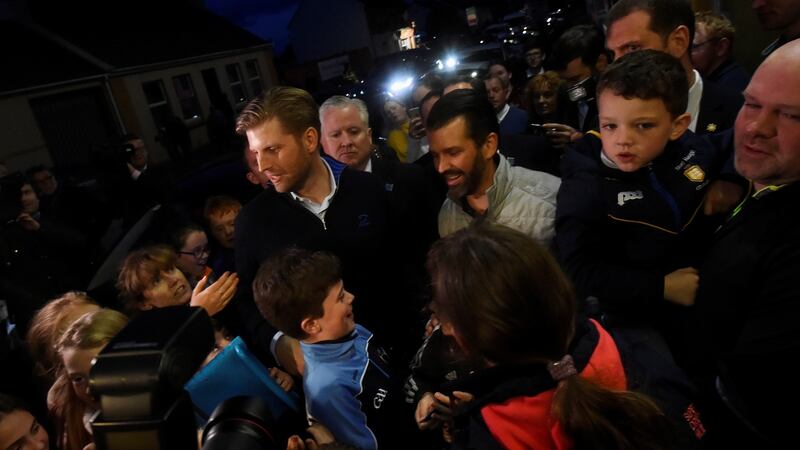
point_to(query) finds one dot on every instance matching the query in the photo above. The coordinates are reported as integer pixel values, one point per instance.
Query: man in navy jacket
(317, 203)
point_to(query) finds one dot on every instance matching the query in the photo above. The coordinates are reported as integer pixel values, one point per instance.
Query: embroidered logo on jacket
(379, 398)
(363, 221)
(623, 197)
(695, 173)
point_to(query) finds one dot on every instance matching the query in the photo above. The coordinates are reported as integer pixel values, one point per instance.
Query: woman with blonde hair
(542, 96)
(70, 401)
(47, 326)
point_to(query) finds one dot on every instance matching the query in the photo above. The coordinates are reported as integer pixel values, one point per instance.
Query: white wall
(133, 84)
(21, 141)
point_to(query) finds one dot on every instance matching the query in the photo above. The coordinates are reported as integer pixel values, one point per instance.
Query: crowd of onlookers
(600, 255)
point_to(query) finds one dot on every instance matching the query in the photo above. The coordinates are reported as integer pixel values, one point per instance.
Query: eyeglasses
(697, 46)
(197, 252)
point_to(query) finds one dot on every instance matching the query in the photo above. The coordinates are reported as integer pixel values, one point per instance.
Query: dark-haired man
(668, 26)
(778, 15)
(534, 57)
(464, 134)
(576, 55)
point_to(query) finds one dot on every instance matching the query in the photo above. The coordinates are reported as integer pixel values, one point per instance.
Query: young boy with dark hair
(629, 221)
(347, 387)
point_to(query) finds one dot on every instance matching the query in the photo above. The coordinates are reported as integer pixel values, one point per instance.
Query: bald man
(745, 332)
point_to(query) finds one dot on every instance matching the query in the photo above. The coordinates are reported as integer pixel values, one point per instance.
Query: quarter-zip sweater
(354, 229)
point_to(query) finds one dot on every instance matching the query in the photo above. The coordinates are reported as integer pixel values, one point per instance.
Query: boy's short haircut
(648, 74)
(292, 285)
(220, 205)
(140, 271)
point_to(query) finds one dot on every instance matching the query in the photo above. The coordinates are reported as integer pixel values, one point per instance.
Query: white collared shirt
(503, 112)
(319, 209)
(135, 173)
(695, 94)
(368, 169)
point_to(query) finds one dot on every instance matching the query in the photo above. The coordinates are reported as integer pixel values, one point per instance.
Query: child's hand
(216, 297)
(680, 286)
(426, 408)
(284, 380)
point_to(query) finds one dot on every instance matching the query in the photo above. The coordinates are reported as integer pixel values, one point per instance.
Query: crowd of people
(601, 255)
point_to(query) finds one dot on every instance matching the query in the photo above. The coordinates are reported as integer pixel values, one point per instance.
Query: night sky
(267, 19)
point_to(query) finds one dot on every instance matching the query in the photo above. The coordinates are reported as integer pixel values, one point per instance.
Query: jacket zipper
(662, 191)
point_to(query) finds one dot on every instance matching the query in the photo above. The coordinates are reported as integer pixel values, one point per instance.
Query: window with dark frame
(184, 90)
(253, 76)
(157, 101)
(235, 82)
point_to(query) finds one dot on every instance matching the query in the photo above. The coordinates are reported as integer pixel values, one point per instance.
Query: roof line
(135, 69)
(40, 87)
(58, 40)
(187, 60)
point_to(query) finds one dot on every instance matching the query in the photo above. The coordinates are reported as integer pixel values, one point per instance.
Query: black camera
(537, 129)
(244, 423)
(140, 379)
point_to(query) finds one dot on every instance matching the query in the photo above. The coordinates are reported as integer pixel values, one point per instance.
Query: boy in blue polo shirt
(347, 387)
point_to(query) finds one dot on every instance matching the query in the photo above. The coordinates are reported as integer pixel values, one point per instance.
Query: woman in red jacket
(549, 379)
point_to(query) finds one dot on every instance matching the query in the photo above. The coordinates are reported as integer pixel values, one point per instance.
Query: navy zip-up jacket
(354, 229)
(618, 234)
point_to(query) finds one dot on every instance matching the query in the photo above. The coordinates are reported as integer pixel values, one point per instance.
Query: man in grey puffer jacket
(463, 135)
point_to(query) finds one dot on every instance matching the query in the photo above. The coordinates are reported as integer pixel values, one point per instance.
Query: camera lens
(243, 423)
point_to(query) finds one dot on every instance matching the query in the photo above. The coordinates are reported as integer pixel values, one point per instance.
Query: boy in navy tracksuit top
(629, 214)
(346, 384)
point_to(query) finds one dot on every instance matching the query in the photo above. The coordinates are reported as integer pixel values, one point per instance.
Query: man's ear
(678, 42)
(489, 147)
(251, 177)
(310, 139)
(310, 326)
(369, 135)
(680, 125)
(723, 47)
